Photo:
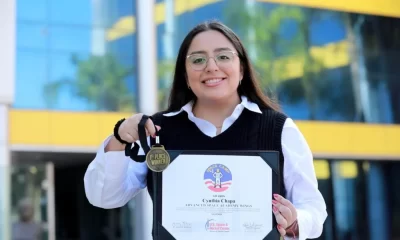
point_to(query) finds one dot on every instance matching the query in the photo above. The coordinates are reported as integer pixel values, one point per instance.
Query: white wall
(7, 79)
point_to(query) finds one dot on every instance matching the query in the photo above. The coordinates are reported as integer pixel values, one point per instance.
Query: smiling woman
(216, 103)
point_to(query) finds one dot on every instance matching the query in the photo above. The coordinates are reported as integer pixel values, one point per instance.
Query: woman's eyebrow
(215, 50)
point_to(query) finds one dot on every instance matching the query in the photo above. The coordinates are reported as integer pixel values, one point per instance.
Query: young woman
(215, 104)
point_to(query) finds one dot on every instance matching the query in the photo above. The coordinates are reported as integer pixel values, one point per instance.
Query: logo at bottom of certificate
(216, 226)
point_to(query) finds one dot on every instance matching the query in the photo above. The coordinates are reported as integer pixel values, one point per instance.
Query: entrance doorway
(75, 218)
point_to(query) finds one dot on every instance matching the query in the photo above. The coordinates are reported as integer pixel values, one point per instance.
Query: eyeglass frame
(213, 57)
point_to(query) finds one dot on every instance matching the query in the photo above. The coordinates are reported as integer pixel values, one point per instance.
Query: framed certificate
(216, 195)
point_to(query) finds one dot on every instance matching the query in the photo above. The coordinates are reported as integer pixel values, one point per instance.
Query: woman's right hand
(128, 131)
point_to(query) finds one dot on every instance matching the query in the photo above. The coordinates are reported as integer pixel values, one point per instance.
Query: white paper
(193, 209)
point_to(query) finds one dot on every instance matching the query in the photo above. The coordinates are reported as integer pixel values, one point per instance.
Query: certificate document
(219, 197)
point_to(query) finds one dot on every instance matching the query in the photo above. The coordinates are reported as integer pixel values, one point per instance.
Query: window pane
(31, 76)
(31, 36)
(85, 82)
(71, 12)
(32, 11)
(323, 65)
(73, 39)
(98, 13)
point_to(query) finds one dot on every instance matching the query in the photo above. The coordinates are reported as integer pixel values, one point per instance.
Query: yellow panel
(348, 169)
(375, 7)
(124, 27)
(127, 25)
(352, 139)
(321, 169)
(61, 128)
(89, 129)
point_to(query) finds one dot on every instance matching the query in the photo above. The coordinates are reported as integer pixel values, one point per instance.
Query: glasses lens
(224, 57)
(198, 62)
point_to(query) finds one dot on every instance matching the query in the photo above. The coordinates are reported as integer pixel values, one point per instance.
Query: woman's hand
(128, 131)
(285, 215)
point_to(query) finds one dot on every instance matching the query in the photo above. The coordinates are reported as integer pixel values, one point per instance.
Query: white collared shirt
(112, 179)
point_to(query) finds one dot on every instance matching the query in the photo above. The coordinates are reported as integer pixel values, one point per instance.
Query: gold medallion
(157, 158)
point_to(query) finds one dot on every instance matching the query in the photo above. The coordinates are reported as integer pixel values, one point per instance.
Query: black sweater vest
(251, 131)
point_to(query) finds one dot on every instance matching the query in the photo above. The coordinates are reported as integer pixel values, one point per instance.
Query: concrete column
(7, 75)
(5, 191)
(148, 92)
(147, 57)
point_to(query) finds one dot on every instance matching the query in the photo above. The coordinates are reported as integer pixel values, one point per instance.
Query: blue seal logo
(218, 178)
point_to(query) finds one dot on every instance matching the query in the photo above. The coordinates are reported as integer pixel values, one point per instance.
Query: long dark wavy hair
(249, 87)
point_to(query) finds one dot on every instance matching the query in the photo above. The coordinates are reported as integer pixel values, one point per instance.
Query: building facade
(70, 71)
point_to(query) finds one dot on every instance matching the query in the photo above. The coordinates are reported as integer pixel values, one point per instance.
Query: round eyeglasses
(198, 62)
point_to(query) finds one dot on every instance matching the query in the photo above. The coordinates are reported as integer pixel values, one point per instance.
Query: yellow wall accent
(83, 129)
(348, 169)
(124, 27)
(389, 8)
(332, 55)
(352, 139)
(326, 139)
(127, 25)
(321, 168)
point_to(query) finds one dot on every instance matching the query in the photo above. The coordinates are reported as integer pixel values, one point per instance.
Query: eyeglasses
(198, 62)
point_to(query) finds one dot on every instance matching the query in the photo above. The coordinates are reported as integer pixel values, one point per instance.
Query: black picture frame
(270, 157)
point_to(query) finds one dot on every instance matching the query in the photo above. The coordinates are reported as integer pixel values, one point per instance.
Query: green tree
(100, 80)
(165, 72)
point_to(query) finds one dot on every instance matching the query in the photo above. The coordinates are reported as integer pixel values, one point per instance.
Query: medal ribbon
(133, 152)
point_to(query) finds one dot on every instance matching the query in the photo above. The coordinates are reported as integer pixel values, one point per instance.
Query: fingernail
(276, 196)
(274, 202)
(279, 227)
(275, 209)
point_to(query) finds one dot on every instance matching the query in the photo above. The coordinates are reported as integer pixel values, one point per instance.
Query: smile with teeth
(216, 80)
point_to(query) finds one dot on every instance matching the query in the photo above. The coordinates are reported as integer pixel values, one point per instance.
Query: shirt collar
(189, 106)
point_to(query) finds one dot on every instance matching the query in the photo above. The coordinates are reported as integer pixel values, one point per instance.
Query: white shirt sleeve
(113, 179)
(301, 182)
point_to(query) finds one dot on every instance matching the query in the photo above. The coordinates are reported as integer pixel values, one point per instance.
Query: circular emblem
(157, 159)
(218, 178)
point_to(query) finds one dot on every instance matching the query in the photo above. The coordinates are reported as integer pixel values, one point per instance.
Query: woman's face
(213, 67)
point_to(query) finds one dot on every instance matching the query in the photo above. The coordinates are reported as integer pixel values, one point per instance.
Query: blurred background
(71, 68)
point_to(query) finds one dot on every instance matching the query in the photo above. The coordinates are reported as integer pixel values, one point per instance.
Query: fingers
(286, 203)
(149, 127)
(127, 137)
(283, 210)
(280, 219)
(128, 131)
(281, 230)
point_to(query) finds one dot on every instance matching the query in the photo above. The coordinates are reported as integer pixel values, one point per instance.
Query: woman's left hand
(285, 213)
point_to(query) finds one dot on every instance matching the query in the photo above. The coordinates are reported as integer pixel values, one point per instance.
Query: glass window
(72, 12)
(84, 82)
(32, 37)
(70, 60)
(32, 11)
(323, 65)
(28, 201)
(98, 13)
(31, 76)
(74, 39)
(361, 198)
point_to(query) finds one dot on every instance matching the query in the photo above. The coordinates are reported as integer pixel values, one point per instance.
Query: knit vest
(251, 131)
